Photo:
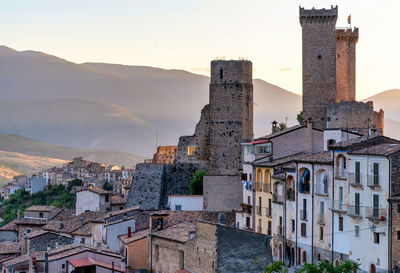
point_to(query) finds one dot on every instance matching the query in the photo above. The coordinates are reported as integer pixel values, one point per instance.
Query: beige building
(135, 249)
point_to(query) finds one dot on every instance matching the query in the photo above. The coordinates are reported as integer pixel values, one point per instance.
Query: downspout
(253, 201)
(312, 213)
(285, 220)
(390, 266)
(333, 204)
(297, 214)
(151, 253)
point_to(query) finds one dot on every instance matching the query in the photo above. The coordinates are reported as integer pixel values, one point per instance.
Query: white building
(93, 199)
(185, 202)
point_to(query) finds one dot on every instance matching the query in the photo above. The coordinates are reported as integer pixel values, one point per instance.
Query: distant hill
(119, 107)
(12, 164)
(28, 147)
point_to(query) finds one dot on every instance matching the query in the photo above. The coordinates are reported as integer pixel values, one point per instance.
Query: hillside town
(327, 189)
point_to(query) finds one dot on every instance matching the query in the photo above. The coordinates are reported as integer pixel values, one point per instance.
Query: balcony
(290, 195)
(266, 187)
(279, 230)
(246, 208)
(354, 180)
(339, 206)
(354, 211)
(268, 212)
(258, 210)
(373, 181)
(277, 198)
(303, 214)
(376, 214)
(321, 219)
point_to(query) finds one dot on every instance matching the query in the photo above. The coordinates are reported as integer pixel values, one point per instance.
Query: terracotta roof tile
(135, 236)
(117, 200)
(10, 226)
(95, 190)
(10, 248)
(41, 208)
(381, 149)
(179, 232)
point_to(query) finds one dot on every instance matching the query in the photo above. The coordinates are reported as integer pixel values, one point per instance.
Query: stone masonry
(319, 62)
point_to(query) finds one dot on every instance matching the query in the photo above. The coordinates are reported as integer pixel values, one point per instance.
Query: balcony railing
(303, 214)
(266, 187)
(339, 205)
(373, 181)
(258, 210)
(268, 212)
(290, 195)
(321, 219)
(376, 214)
(354, 211)
(277, 198)
(279, 230)
(354, 179)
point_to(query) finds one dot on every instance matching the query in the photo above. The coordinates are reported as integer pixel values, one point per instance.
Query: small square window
(178, 207)
(63, 266)
(357, 231)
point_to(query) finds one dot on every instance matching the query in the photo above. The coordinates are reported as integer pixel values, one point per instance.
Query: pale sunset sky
(188, 34)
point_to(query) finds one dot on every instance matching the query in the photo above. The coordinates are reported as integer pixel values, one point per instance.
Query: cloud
(201, 69)
(284, 69)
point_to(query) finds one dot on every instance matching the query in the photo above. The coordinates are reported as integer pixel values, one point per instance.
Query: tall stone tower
(346, 40)
(319, 62)
(231, 114)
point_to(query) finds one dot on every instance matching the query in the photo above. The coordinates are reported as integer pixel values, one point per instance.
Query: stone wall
(166, 256)
(42, 242)
(146, 187)
(355, 116)
(346, 40)
(395, 227)
(165, 155)
(152, 183)
(319, 62)
(395, 173)
(222, 193)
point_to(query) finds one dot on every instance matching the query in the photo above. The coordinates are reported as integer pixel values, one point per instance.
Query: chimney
(309, 132)
(129, 232)
(274, 126)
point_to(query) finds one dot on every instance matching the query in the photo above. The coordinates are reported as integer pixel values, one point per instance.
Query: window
(40, 214)
(269, 228)
(221, 218)
(303, 229)
(191, 151)
(303, 213)
(344, 166)
(357, 231)
(248, 222)
(340, 223)
(248, 149)
(358, 172)
(28, 230)
(82, 240)
(376, 238)
(63, 266)
(321, 233)
(178, 207)
(221, 74)
(376, 174)
(107, 198)
(330, 141)
(398, 208)
(248, 200)
(263, 148)
(325, 184)
(357, 203)
(269, 207)
(293, 225)
(244, 176)
(398, 235)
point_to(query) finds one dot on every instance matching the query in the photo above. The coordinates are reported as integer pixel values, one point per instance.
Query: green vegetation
(196, 185)
(300, 117)
(321, 267)
(76, 182)
(55, 196)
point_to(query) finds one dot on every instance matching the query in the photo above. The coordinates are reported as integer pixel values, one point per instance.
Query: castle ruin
(329, 75)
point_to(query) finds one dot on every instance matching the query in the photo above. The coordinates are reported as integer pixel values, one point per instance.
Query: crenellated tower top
(347, 34)
(313, 15)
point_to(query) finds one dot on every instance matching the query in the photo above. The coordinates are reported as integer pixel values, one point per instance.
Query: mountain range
(98, 106)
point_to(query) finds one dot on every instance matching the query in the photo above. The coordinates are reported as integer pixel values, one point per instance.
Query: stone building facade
(329, 75)
(165, 155)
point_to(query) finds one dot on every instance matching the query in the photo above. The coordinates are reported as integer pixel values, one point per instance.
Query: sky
(188, 34)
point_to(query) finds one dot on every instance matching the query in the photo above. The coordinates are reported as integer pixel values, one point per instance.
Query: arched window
(325, 183)
(304, 185)
(304, 257)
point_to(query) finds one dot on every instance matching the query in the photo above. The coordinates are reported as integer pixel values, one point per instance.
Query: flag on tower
(349, 19)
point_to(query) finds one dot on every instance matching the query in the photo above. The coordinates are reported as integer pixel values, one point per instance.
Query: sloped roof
(135, 236)
(41, 208)
(179, 232)
(380, 150)
(10, 248)
(11, 226)
(117, 200)
(95, 190)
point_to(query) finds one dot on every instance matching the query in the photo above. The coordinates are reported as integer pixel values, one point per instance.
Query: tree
(196, 185)
(300, 117)
(325, 267)
(76, 182)
(282, 126)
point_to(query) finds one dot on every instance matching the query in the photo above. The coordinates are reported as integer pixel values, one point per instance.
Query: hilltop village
(327, 189)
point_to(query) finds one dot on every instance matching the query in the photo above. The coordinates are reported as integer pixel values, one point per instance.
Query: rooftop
(95, 190)
(118, 212)
(117, 200)
(83, 262)
(10, 248)
(178, 232)
(363, 140)
(134, 236)
(10, 226)
(41, 208)
(379, 150)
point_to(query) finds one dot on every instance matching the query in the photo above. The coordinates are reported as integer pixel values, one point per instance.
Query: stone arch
(280, 252)
(322, 181)
(304, 256)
